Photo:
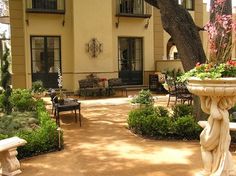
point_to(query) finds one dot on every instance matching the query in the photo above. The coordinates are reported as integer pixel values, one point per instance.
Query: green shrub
(136, 115)
(22, 100)
(39, 130)
(150, 125)
(18, 121)
(181, 110)
(156, 122)
(6, 80)
(186, 128)
(2, 136)
(162, 111)
(144, 98)
(37, 87)
(146, 122)
(42, 139)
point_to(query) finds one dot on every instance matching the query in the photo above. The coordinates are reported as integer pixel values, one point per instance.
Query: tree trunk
(179, 24)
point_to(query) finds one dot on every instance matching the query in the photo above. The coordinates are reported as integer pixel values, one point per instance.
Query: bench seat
(9, 164)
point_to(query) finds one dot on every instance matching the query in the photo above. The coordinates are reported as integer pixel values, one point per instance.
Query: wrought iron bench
(115, 84)
(89, 87)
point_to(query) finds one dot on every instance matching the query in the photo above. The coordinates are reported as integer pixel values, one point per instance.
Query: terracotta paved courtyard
(103, 146)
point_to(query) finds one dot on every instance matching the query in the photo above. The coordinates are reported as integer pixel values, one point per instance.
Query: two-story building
(111, 38)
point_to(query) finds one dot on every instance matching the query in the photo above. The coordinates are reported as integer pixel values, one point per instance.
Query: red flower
(102, 79)
(231, 63)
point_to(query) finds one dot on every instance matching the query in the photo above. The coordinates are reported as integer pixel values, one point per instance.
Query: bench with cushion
(115, 84)
(8, 161)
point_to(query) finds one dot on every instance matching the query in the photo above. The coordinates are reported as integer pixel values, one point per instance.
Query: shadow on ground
(103, 146)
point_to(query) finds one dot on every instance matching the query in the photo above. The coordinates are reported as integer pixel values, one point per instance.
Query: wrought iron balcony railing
(133, 8)
(45, 6)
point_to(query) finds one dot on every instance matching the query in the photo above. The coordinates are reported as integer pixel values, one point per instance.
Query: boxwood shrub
(22, 100)
(185, 127)
(181, 110)
(42, 139)
(156, 122)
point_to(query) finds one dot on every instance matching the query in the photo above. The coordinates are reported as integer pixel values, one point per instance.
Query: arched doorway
(172, 52)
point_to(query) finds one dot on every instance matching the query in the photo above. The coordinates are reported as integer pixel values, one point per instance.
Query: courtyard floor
(103, 146)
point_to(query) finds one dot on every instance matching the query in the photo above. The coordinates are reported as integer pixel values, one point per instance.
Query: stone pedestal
(217, 97)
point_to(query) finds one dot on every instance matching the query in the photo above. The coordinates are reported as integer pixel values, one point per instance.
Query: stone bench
(232, 125)
(9, 164)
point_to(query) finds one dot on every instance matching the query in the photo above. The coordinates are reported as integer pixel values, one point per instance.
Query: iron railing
(45, 6)
(135, 8)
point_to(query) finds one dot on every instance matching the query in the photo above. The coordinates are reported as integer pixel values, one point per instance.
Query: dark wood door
(45, 59)
(130, 60)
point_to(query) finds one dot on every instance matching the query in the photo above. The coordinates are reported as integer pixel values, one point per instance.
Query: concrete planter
(217, 96)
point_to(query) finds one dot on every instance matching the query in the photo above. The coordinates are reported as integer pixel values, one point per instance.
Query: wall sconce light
(94, 47)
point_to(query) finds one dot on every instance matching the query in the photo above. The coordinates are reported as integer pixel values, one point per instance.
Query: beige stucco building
(110, 38)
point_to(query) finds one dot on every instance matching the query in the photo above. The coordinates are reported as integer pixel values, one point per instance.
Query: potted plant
(37, 89)
(143, 99)
(215, 83)
(171, 78)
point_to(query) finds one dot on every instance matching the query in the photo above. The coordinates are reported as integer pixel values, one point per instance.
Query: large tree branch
(154, 3)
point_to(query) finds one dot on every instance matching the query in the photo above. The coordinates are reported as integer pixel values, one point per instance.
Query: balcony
(45, 6)
(133, 8)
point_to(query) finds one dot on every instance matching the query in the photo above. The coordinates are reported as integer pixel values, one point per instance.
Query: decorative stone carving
(8, 162)
(217, 97)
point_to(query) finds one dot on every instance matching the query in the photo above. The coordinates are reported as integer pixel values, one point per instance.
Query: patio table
(69, 105)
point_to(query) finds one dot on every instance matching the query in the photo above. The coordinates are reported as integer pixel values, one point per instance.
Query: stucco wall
(18, 44)
(52, 25)
(89, 25)
(159, 45)
(135, 27)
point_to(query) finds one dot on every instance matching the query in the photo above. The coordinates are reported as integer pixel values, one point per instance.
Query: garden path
(103, 146)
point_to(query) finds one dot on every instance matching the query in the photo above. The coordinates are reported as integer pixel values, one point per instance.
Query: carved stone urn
(217, 97)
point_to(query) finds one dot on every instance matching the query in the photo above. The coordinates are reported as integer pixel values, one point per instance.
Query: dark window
(131, 6)
(188, 4)
(45, 6)
(45, 54)
(45, 59)
(130, 57)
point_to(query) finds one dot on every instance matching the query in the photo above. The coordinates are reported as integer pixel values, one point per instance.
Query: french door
(130, 60)
(46, 59)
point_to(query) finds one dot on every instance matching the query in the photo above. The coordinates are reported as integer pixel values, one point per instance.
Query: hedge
(42, 139)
